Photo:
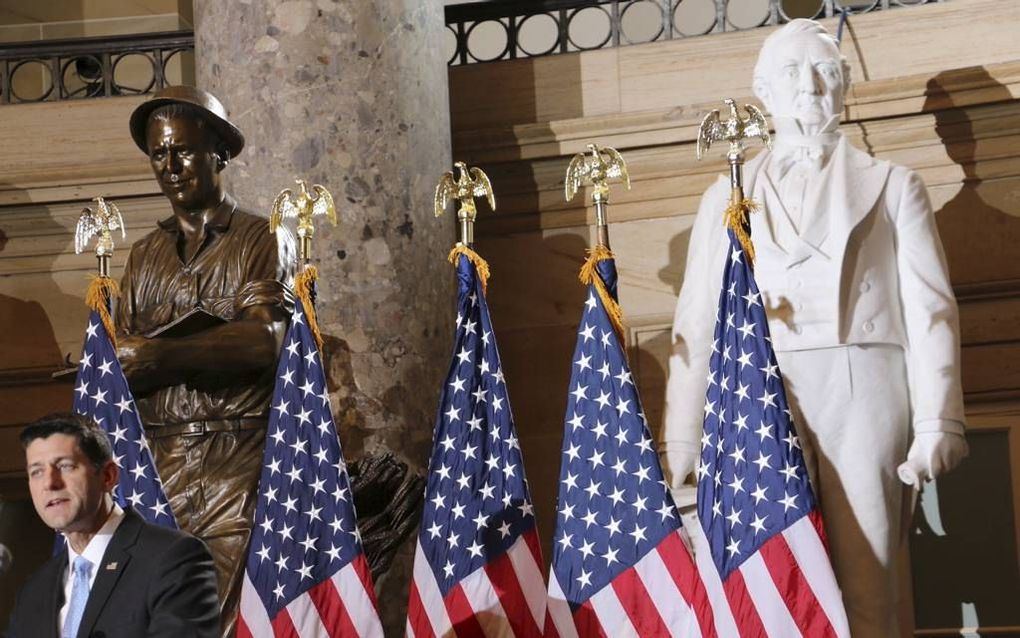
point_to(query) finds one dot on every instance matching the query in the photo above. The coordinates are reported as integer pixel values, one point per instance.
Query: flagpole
(736, 131)
(598, 168)
(304, 205)
(100, 223)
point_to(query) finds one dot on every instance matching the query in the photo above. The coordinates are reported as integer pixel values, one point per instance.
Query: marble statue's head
(801, 74)
(189, 141)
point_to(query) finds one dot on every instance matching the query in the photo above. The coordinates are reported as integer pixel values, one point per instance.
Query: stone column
(352, 94)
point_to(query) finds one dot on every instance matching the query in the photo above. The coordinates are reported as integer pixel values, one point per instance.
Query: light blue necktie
(79, 596)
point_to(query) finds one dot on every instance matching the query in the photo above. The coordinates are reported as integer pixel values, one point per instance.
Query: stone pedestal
(352, 94)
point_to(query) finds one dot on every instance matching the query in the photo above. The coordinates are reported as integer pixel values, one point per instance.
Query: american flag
(620, 566)
(102, 393)
(766, 566)
(477, 567)
(306, 573)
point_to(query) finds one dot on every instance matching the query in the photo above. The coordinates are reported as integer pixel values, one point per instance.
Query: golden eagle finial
(102, 221)
(598, 167)
(463, 188)
(304, 206)
(734, 130)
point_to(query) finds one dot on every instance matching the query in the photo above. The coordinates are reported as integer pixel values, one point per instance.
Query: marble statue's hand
(677, 465)
(931, 455)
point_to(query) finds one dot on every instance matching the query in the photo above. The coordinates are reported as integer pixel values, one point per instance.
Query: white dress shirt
(93, 553)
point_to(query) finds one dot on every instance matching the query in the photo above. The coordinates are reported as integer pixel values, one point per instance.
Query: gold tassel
(737, 217)
(481, 266)
(589, 275)
(303, 283)
(100, 294)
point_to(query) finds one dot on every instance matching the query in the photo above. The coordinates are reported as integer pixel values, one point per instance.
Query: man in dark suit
(119, 575)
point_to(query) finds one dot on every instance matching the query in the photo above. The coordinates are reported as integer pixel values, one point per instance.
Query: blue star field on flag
(752, 482)
(614, 506)
(305, 525)
(477, 502)
(102, 393)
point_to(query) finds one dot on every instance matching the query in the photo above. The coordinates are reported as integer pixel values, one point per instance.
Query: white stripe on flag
(813, 560)
(529, 574)
(358, 602)
(611, 614)
(559, 609)
(251, 610)
(484, 602)
(772, 609)
(305, 617)
(432, 602)
(725, 624)
(666, 596)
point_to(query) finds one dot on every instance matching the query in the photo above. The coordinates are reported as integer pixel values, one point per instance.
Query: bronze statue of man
(203, 387)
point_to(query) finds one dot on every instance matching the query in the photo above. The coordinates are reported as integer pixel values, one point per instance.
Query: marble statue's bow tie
(810, 156)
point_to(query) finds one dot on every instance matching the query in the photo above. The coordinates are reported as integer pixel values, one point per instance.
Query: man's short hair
(183, 109)
(91, 439)
(800, 26)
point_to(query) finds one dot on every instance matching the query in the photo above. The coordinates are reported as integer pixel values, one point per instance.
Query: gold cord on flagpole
(100, 223)
(481, 266)
(738, 219)
(101, 292)
(304, 283)
(589, 276)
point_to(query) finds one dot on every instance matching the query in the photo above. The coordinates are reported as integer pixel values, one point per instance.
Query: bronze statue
(200, 324)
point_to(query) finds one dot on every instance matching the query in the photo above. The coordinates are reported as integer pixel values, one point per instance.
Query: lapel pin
(111, 566)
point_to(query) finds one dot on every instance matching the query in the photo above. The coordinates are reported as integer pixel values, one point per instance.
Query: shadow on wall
(29, 351)
(980, 225)
(963, 541)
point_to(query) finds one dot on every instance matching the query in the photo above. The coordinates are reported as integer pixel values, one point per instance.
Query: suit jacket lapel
(852, 182)
(49, 616)
(112, 566)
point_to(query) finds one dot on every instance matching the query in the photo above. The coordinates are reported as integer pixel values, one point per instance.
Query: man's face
(183, 157)
(67, 489)
(804, 80)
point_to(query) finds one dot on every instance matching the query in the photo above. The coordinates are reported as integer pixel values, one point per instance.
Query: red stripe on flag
(550, 627)
(634, 599)
(416, 616)
(332, 612)
(242, 629)
(744, 612)
(794, 589)
(462, 616)
(512, 598)
(587, 621)
(282, 626)
(531, 538)
(684, 572)
(815, 516)
(361, 568)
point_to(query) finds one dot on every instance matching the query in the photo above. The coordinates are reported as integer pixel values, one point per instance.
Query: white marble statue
(862, 317)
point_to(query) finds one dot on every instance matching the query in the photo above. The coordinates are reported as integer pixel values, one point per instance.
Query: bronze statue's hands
(139, 358)
(931, 455)
(677, 465)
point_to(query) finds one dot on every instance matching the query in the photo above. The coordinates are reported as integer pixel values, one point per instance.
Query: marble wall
(352, 95)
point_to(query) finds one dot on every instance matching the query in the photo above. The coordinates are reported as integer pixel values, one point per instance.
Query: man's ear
(222, 158)
(111, 474)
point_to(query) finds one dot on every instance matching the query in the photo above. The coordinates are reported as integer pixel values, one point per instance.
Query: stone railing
(94, 67)
(509, 29)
